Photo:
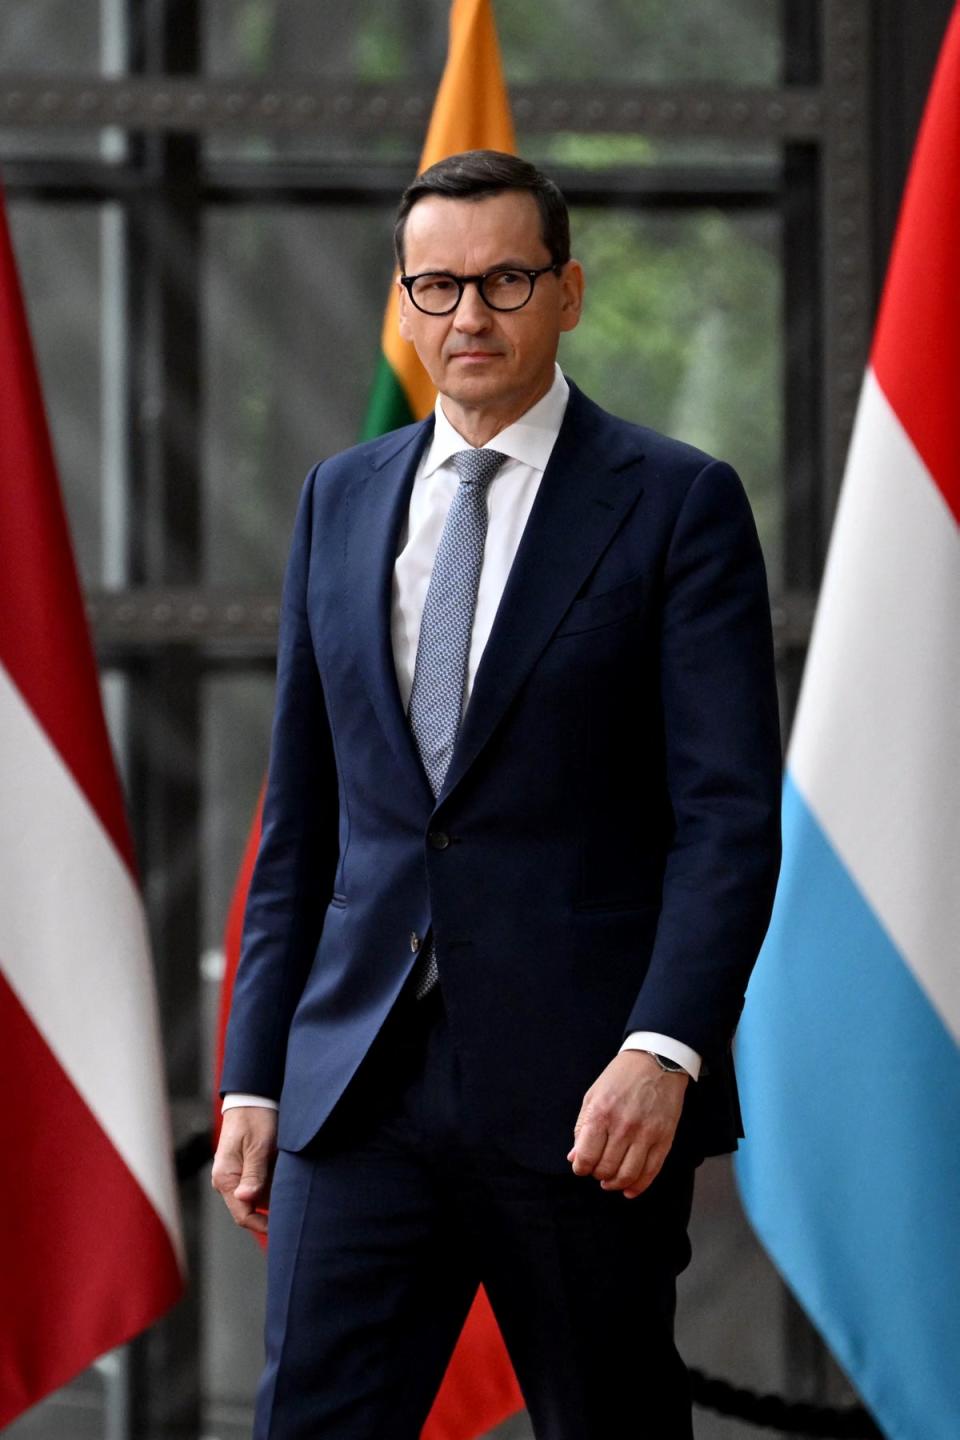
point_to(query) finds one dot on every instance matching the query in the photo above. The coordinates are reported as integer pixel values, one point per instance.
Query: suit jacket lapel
(588, 488)
(377, 512)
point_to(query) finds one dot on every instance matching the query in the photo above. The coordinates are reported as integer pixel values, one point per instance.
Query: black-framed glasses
(436, 292)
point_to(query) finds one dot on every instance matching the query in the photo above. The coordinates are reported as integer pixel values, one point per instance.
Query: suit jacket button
(438, 839)
(414, 941)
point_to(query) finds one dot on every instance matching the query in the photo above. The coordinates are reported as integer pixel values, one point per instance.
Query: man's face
(497, 363)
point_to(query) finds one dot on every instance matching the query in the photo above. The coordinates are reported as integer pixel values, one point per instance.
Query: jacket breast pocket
(592, 612)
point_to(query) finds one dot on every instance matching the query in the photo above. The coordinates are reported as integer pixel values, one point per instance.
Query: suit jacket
(604, 852)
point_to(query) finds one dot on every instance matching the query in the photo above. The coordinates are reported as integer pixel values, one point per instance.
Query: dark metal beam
(164, 221)
(319, 183)
(803, 350)
(241, 624)
(906, 41)
(846, 234)
(199, 104)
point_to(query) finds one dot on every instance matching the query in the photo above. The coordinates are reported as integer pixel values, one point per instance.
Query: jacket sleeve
(296, 863)
(723, 765)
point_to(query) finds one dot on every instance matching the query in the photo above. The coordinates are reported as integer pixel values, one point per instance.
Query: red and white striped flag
(91, 1243)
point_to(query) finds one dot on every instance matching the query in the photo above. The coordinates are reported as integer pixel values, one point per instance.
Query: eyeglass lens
(501, 289)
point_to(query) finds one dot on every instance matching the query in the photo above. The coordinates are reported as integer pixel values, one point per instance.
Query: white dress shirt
(527, 443)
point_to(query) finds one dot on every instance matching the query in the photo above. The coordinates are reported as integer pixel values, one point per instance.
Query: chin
(480, 391)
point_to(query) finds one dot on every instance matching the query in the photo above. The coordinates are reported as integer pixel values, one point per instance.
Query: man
(519, 850)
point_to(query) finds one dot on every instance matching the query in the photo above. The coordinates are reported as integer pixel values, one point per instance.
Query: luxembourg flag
(849, 1050)
(90, 1245)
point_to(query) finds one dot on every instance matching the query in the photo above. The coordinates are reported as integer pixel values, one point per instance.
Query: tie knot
(477, 467)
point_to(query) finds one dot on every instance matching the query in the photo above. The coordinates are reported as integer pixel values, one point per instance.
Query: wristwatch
(666, 1063)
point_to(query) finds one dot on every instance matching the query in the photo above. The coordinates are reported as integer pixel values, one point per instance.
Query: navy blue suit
(604, 852)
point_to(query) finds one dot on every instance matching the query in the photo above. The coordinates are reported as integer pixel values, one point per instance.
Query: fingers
(255, 1221)
(627, 1174)
(599, 1149)
(254, 1181)
(633, 1181)
(627, 1123)
(630, 1168)
(243, 1165)
(589, 1144)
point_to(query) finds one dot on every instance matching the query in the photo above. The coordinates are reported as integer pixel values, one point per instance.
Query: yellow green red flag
(471, 112)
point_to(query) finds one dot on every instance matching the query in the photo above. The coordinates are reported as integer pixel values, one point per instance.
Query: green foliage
(643, 41)
(254, 35)
(682, 331)
(591, 152)
(683, 326)
(612, 42)
(379, 47)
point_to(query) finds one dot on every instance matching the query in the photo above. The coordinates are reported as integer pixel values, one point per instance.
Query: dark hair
(475, 174)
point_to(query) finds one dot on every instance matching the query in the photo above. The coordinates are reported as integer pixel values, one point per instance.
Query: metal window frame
(822, 127)
(166, 631)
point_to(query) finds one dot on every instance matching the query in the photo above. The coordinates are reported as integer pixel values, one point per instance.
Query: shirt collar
(529, 439)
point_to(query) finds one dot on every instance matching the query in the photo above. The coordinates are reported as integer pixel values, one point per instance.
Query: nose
(472, 316)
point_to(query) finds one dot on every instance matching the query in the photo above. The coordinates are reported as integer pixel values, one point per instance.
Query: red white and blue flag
(850, 1043)
(91, 1241)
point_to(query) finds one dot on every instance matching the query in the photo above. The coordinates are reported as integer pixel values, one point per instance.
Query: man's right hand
(243, 1164)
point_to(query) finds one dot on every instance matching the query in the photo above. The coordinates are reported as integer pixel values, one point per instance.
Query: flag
(471, 112)
(92, 1251)
(849, 1049)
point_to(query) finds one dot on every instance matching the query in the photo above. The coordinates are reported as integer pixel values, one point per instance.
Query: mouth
(473, 356)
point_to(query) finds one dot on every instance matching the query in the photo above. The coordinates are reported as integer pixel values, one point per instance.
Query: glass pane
(655, 43)
(287, 368)
(70, 262)
(561, 41)
(639, 154)
(79, 1410)
(236, 709)
(52, 142)
(365, 40)
(60, 37)
(47, 36)
(682, 331)
(730, 1307)
(609, 42)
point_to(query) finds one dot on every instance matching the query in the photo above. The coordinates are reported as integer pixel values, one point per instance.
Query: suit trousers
(383, 1228)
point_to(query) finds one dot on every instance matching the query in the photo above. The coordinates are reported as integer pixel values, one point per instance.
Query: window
(201, 194)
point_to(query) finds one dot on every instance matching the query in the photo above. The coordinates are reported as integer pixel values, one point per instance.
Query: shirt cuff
(235, 1099)
(669, 1049)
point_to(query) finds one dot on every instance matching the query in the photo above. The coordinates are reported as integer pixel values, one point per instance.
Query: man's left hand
(627, 1122)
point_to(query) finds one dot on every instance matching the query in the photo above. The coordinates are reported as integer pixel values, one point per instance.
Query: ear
(403, 307)
(571, 294)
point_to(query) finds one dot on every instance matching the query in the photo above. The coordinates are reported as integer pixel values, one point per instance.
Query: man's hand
(243, 1164)
(627, 1122)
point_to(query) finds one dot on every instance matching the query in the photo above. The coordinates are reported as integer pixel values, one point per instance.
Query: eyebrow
(508, 264)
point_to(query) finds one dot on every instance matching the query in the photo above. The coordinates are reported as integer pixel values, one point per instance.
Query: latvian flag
(850, 1043)
(91, 1248)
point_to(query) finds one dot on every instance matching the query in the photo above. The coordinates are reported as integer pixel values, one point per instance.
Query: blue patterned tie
(440, 671)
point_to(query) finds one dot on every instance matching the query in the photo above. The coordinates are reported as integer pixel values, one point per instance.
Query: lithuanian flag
(471, 112)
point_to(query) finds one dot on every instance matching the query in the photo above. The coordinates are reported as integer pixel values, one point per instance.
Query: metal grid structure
(823, 129)
(164, 630)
